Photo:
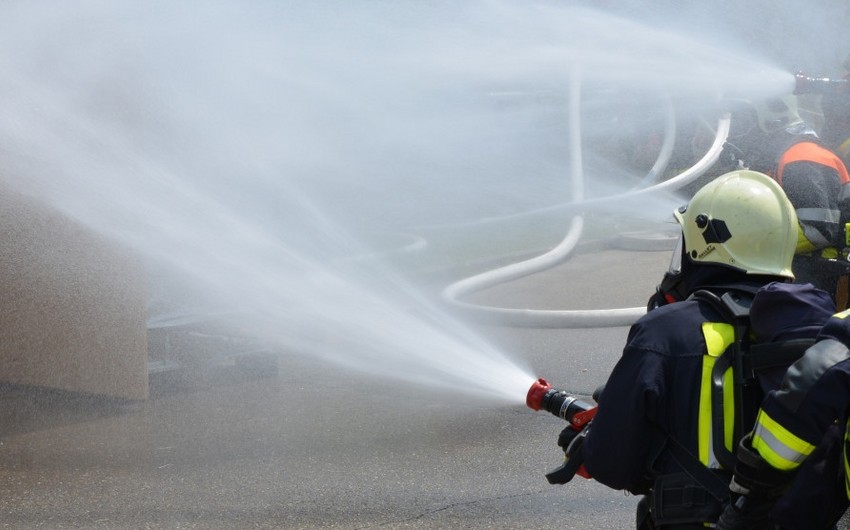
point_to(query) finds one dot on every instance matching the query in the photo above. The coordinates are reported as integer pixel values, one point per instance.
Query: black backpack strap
(767, 356)
(748, 361)
(734, 306)
(718, 439)
(709, 480)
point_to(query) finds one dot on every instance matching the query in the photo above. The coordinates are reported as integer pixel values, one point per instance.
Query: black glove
(756, 479)
(571, 442)
(566, 438)
(598, 393)
(755, 487)
(745, 514)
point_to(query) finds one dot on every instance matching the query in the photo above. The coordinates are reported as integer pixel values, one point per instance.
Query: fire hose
(571, 318)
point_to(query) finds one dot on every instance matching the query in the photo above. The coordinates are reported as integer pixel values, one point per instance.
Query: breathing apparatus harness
(698, 493)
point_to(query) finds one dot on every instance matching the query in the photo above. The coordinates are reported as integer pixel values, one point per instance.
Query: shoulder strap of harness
(755, 358)
(766, 356)
(711, 482)
(734, 306)
(747, 361)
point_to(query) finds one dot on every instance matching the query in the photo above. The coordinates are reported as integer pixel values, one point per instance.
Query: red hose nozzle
(538, 389)
(541, 396)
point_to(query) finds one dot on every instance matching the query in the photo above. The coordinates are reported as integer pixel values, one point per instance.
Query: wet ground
(314, 446)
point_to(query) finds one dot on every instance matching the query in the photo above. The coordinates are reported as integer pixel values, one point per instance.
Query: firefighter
(773, 139)
(793, 422)
(835, 104)
(656, 431)
(769, 136)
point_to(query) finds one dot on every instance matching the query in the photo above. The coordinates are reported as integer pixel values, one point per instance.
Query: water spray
(804, 84)
(577, 412)
(587, 317)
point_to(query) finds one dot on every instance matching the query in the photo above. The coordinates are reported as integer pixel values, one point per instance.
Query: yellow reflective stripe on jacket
(779, 448)
(844, 148)
(718, 336)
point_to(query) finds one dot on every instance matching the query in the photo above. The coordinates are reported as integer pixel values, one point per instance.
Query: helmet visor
(676, 259)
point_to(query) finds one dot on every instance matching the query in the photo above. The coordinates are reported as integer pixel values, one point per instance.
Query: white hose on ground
(666, 152)
(579, 318)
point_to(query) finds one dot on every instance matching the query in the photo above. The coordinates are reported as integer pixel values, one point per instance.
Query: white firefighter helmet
(743, 220)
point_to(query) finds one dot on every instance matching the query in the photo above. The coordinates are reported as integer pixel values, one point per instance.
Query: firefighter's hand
(745, 514)
(756, 480)
(755, 487)
(570, 439)
(571, 442)
(566, 437)
(732, 519)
